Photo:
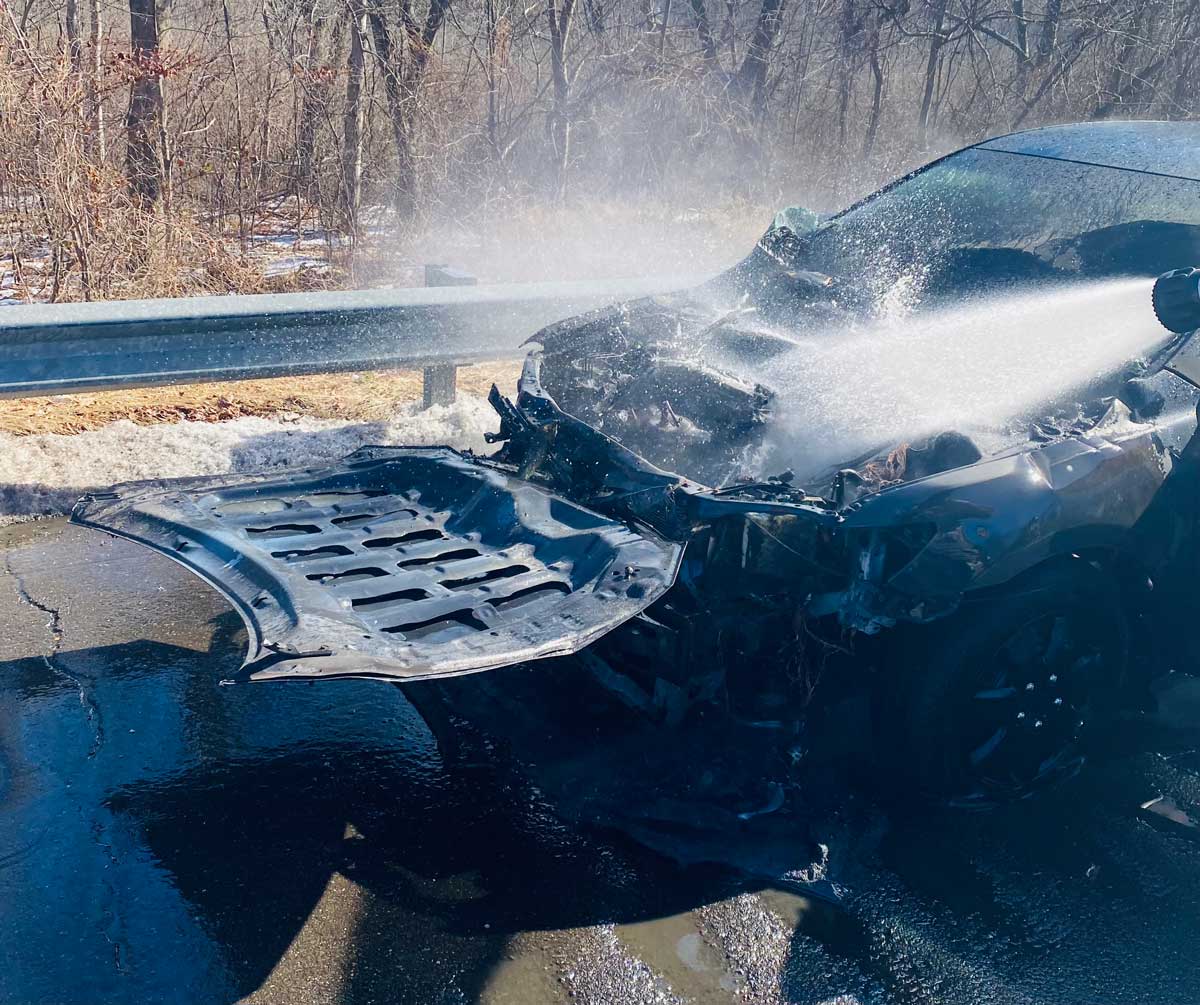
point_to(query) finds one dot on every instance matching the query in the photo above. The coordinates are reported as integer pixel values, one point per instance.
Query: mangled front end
(409, 563)
(402, 564)
(904, 532)
(919, 547)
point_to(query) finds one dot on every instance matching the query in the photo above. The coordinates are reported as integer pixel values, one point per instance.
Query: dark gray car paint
(398, 564)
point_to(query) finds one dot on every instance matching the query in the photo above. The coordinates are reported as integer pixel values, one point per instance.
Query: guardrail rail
(67, 348)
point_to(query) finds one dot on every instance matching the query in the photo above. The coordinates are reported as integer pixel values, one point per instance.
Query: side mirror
(797, 219)
(782, 239)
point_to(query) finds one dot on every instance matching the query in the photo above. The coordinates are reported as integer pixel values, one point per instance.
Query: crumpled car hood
(398, 564)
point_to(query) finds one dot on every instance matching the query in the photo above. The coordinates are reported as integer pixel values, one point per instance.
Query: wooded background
(146, 143)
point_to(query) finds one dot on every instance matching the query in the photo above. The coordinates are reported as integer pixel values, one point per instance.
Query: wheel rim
(1027, 705)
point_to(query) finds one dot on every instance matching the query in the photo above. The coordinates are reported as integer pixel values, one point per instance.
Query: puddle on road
(674, 947)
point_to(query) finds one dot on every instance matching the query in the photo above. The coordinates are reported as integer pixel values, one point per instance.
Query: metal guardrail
(61, 349)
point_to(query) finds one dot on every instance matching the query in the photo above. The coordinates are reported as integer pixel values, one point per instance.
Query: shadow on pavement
(250, 837)
(449, 866)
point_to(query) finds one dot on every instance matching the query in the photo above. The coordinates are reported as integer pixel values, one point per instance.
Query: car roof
(1166, 148)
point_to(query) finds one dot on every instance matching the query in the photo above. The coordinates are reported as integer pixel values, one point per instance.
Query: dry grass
(361, 397)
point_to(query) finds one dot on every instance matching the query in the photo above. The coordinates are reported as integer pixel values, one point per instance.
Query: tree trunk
(662, 31)
(560, 116)
(931, 71)
(708, 42)
(403, 182)
(1020, 31)
(493, 73)
(75, 52)
(752, 76)
(74, 42)
(595, 15)
(420, 43)
(353, 121)
(261, 169)
(143, 122)
(876, 96)
(849, 29)
(1048, 38)
(313, 98)
(239, 168)
(401, 85)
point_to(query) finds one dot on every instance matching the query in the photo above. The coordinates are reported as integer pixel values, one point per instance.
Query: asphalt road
(164, 839)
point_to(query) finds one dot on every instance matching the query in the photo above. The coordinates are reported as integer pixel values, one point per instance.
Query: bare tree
(403, 68)
(353, 119)
(559, 13)
(239, 132)
(314, 79)
(95, 107)
(74, 41)
(143, 122)
(708, 42)
(473, 107)
(937, 41)
(752, 76)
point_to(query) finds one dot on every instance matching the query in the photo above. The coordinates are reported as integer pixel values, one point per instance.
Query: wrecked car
(991, 591)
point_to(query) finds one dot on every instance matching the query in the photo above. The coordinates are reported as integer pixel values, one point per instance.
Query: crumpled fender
(993, 520)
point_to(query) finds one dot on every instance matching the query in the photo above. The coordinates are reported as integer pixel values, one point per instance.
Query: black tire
(990, 705)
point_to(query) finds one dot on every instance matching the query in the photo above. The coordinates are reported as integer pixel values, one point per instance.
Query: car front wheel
(990, 705)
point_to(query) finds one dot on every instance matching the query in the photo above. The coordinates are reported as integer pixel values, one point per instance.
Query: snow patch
(43, 475)
(292, 264)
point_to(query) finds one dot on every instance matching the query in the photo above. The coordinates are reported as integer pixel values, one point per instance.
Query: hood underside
(398, 564)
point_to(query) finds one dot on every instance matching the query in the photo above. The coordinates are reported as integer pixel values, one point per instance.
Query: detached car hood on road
(397, 564)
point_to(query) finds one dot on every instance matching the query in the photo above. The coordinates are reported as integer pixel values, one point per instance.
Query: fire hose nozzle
(1176, 299)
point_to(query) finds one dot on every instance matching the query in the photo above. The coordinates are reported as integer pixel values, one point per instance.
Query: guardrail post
(440, 383)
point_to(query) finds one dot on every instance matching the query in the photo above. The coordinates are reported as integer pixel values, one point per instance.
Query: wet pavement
(164, 839)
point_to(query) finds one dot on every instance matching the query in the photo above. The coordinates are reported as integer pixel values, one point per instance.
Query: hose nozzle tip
(1176, 299)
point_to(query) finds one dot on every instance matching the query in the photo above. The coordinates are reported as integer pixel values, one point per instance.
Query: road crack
(110, 926)
(81, 683)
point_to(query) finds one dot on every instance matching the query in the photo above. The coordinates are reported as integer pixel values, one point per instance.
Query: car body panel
(1167, 148)
(994, 520)
(398, 564)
